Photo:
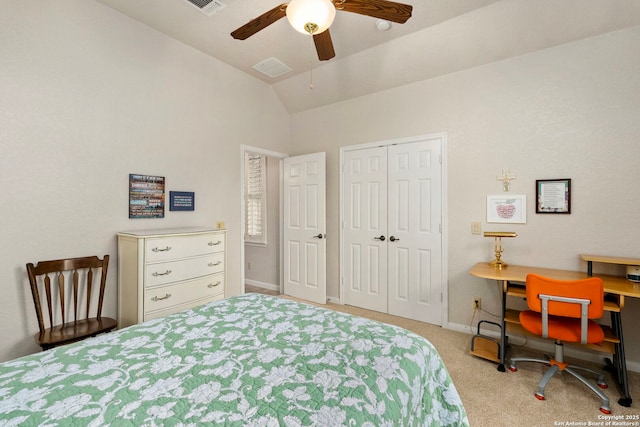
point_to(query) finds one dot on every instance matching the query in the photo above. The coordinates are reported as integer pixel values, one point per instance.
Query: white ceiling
(441, 37)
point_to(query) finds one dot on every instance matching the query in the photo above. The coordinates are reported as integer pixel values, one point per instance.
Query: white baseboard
(541, 345)
(263, 285)
(272, 287)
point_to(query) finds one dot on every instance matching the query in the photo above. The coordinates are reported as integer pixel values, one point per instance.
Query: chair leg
(514, 360)
(602, 383)
(604, 407)
(545, 380)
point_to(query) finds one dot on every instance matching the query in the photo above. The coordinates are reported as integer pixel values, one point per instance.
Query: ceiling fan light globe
(305, 14)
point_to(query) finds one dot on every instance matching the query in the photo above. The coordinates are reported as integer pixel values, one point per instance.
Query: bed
(250, 360)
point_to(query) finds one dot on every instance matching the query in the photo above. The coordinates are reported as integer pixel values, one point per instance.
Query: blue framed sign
(182, 201)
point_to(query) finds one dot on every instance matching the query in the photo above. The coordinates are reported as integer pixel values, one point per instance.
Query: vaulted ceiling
(441, 37)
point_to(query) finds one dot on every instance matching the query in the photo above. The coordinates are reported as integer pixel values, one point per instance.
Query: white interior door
(415, 238)
(394, 192)
(304, 201)
(365, 228)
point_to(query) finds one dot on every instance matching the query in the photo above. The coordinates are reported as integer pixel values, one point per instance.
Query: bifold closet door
(392, 238)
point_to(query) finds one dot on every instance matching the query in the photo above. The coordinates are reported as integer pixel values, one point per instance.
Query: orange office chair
(562, 309)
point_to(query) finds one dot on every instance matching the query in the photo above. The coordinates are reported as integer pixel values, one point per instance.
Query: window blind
(255, 198)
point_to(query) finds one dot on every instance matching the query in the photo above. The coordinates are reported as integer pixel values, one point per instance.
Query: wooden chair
(66, 281)
(562, 310)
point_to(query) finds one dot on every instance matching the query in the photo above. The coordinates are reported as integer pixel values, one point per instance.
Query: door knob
(393, 238)
(381, 238)
(319, 236)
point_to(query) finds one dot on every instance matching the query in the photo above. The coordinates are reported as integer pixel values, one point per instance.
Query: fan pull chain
(311, 64)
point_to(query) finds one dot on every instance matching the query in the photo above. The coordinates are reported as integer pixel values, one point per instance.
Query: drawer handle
(156, 274)
(215, 243)
(213, 264)
(211, 285)
(166, 249)
(166, 296)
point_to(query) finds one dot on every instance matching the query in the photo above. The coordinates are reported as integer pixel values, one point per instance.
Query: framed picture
(146, 196)
(507, 208)
(553, 196)
(182, 201)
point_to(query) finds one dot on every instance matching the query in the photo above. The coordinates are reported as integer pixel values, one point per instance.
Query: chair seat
(74, 331)
(561, 328)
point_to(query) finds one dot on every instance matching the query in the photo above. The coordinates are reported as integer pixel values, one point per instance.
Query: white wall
(88, 96)
(571, 111)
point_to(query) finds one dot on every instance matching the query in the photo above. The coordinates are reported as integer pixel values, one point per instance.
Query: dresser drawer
(177, 308)
(175, 247)
(163, 297)
(175, 271)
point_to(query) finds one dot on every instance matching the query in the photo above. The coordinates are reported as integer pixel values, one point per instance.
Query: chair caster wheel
(605, 411)
(513, 369)
(540, 396)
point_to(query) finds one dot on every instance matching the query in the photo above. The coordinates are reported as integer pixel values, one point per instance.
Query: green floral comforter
(251, 360)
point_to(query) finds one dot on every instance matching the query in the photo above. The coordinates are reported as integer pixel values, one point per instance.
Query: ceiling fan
(315, 16)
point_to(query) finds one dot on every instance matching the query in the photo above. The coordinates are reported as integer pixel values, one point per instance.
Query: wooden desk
(615, 286)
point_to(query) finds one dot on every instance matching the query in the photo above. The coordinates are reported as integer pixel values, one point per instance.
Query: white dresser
(165, 271)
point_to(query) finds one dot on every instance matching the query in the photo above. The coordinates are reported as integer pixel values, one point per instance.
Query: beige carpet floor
(494, 398)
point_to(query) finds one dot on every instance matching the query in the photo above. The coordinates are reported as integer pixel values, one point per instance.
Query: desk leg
(619, 367)
(503, 326)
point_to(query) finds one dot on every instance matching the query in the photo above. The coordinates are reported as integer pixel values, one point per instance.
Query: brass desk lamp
(498, 235)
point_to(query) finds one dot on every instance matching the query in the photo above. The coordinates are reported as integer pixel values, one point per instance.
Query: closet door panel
(415, 240)
(365, 228)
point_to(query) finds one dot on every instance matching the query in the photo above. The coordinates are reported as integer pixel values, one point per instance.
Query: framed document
(507, 209)
(553, 196)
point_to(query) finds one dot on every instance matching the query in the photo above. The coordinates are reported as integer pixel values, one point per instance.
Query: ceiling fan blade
(260, 23)
(383, 9)
(324, 45)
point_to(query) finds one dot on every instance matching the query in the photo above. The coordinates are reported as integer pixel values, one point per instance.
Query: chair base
(557, 365)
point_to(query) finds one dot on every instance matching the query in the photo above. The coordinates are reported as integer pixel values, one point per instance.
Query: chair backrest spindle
(47, 288)
(89, 283)
(103, 279)
(75, 295)
(61, 295)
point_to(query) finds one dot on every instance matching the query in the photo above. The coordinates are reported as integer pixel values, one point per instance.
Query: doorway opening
(261, 256)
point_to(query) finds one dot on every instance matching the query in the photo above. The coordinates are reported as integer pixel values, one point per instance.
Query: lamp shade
(310, 16)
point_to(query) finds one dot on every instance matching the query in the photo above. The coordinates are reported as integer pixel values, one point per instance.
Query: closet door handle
(381, 238)
(319, 236)
(393, 239)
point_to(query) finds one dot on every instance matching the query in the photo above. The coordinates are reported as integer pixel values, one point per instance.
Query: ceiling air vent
(209, 7)
(272, 67)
